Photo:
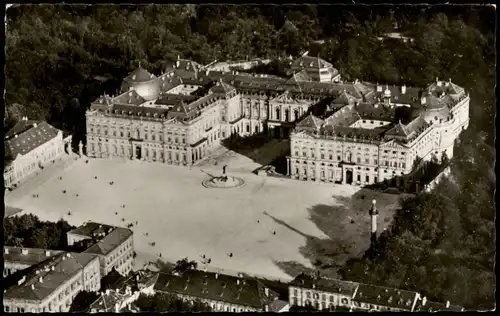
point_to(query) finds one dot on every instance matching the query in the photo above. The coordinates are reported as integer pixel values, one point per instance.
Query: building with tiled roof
(221, 292)
(196, 107)
(316, 68)
(29, 146)
(320, 293)
(364, 142)
(52, 284)
(113, 245)
(372, 297)
(20, 258)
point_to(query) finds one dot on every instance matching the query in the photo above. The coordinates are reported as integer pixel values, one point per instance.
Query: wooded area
(60, 58)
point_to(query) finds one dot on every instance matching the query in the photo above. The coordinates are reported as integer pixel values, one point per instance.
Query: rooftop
(27, 135)
(436, 307)
(220, 287)
(139, 75)
(41, 280)
(103, 238)
(27, 256)
(325, 284)
(384, 296)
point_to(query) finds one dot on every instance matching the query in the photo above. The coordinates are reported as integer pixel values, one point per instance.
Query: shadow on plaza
(261, 149)
(347, 227)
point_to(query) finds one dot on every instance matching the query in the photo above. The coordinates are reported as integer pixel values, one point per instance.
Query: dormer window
(133, 77)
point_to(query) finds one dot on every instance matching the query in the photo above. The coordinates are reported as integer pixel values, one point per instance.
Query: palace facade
(339, 131)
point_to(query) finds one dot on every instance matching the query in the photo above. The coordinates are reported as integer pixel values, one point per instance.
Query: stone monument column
(80, 149)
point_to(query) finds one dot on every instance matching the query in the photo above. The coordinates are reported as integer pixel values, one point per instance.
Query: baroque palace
(346, 132)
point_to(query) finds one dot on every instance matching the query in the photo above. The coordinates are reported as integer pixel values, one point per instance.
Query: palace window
(322, 156)
(367, 161)
(359, 160)
(375, 161)
(338, 158)
(304, 154)
(296, 153)
(308, 294)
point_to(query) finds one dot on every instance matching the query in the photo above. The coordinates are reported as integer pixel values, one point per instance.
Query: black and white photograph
(244, 157)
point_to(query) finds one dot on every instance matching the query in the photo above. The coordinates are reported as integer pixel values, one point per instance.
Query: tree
(444, 158)
(162, 302)
(81, 302)
(184, 265)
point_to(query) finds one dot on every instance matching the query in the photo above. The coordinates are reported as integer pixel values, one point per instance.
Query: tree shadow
(347, 227)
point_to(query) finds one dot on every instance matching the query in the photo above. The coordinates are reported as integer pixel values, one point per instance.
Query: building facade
(51, 285)
(326, 294)
(181, 116)
(361, 143)
(30, 145)
(113, 245)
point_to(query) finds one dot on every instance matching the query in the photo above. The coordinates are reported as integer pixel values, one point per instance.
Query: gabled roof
(222, 87)
(20, 127)
(398, 130)
(325, 284)
(310, 121)
(345, 98)
(299, 76)
(213, 286)
(30, 138)
(31, 257)
(384, 296)
(285, 97)
(140, 75)
(129, 97)
(105, 237)
(309, 62)
(55, 271)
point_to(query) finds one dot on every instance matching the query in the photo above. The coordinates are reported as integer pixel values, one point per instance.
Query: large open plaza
(263, 222)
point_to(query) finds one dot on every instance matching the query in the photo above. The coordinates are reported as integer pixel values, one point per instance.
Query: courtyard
(263, 223)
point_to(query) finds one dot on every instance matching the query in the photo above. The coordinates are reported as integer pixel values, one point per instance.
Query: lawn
(265, 223)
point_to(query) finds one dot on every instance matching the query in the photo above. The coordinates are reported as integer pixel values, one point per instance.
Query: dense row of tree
(28, 231)
(60, 58)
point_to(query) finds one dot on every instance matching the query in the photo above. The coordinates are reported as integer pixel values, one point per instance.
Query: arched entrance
(348, 176)
(138, 152)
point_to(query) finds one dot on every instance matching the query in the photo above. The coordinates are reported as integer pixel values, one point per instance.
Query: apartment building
(19, 258)
(224, 293)
(51, 285)
(113, 245)
(30, 145)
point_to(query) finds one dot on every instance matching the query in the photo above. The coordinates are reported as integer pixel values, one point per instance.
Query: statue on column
(80, 149)
(224, 176)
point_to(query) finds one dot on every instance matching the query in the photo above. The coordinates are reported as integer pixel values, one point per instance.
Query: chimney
(424, 301)
(379, 88)
(117, 307)
(216, 276)
(266, 291)
(40, 279)
(34, 124)
(24, 251)
(6, 251)
(177, 64)
(47, 253)
(447, 304)
(403, 89)
(238, 281)
(266, 308)
(439, 83)
(32, 286)
(52, 268)
(107, 291)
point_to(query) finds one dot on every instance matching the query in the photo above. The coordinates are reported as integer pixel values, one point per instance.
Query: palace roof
(384, 296)
(398, 130)
(222, 87)
(345, 98)
(218, 287)
(140, 75)
(27, 135)
(41, 280)
(346, 288)
(309, 62)
(410, 96)
(310, 121)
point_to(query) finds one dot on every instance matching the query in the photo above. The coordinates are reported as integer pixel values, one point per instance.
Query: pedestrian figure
(230, 255)
(116, 213)
(64, 191)
(209, 260)
(147, 234)
(274, 232)
(123, 219)
(258, 221)
(77, 194)
(203, 256)
(95, 177)
(160, 254)
(136, 222)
